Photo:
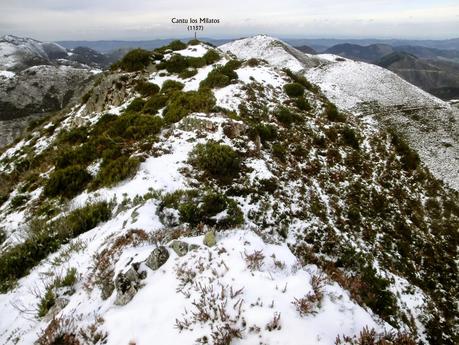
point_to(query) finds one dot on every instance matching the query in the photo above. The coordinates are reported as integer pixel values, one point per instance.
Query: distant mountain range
(323, 44)
(434, 70)
(319, 45)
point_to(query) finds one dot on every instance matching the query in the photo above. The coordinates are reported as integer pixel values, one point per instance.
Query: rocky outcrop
(112, 91)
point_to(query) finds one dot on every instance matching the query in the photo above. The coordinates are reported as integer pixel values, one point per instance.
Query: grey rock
(192, 247)
(180, 247)
(210, 239)
(127, 284)
(112, 90)
(157, 258)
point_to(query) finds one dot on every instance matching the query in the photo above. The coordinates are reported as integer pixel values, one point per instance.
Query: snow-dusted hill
(18, 53)
(36, 78)
(204, 199)
(429, 124)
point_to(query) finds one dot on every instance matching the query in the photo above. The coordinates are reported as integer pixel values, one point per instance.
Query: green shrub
(264, 131)
(230, 66)
(170, 86)
(195, 209)
(67, 182)
(279, 151)
(80, 155)
(300, 79)
(146, 88)
(76, 135)
(350, 138)
(136, 105)
(211, 56)
(286, 117)
(46, 302)
(183, 103)
(176, 64)
(134, 126)
(196, 62)
(409, 158)
(188, 73)
(253, 62)
(333, 114)
(176, 45)
(69, 279)
(115, 171)
(215, 79)
(194, 42)
(4, 196)
(135, 60)
(154, 103)
(302, 104)
(46, 238)
(221, 76)
(294, 89)
(217, 160)
(19, 200)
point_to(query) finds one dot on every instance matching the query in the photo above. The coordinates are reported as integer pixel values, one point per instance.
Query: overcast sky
(149, 19)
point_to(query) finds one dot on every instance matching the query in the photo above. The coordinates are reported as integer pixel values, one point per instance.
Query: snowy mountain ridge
(429, 124)
(192, 197)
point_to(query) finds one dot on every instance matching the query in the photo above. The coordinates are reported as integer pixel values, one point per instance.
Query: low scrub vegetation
(146, 88)
(135, 60)
(286, 116)
(46, 238)
(113, 171)
(183, 103)
(221, 76)
(216, 160)
(67, 182)
(300, 79)
(294, 89)
(209, 208)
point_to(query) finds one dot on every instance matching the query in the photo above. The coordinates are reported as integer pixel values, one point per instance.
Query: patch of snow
(7, 74)
(262, 74)
(194, 51)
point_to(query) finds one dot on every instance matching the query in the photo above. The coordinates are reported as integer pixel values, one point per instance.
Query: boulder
(157, 258)
(210, 239)
(180, 247)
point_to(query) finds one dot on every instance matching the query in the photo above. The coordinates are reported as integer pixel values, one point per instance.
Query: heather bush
(294, 89)
(169, 86)
(211, 56)
(217, 160)
(286, 116)
(45, 238)
(67, 182)
(135, 60)
(188, 73)
(146, 88)
(183, 103)
(136, 105)
(154, 103)
(113, 171)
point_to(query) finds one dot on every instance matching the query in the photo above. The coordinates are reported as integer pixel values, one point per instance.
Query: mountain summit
(200, 196)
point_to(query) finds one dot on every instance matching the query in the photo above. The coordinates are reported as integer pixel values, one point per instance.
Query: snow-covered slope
(429, 124)
(17, 53)
(276, 52)
(306, 228)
